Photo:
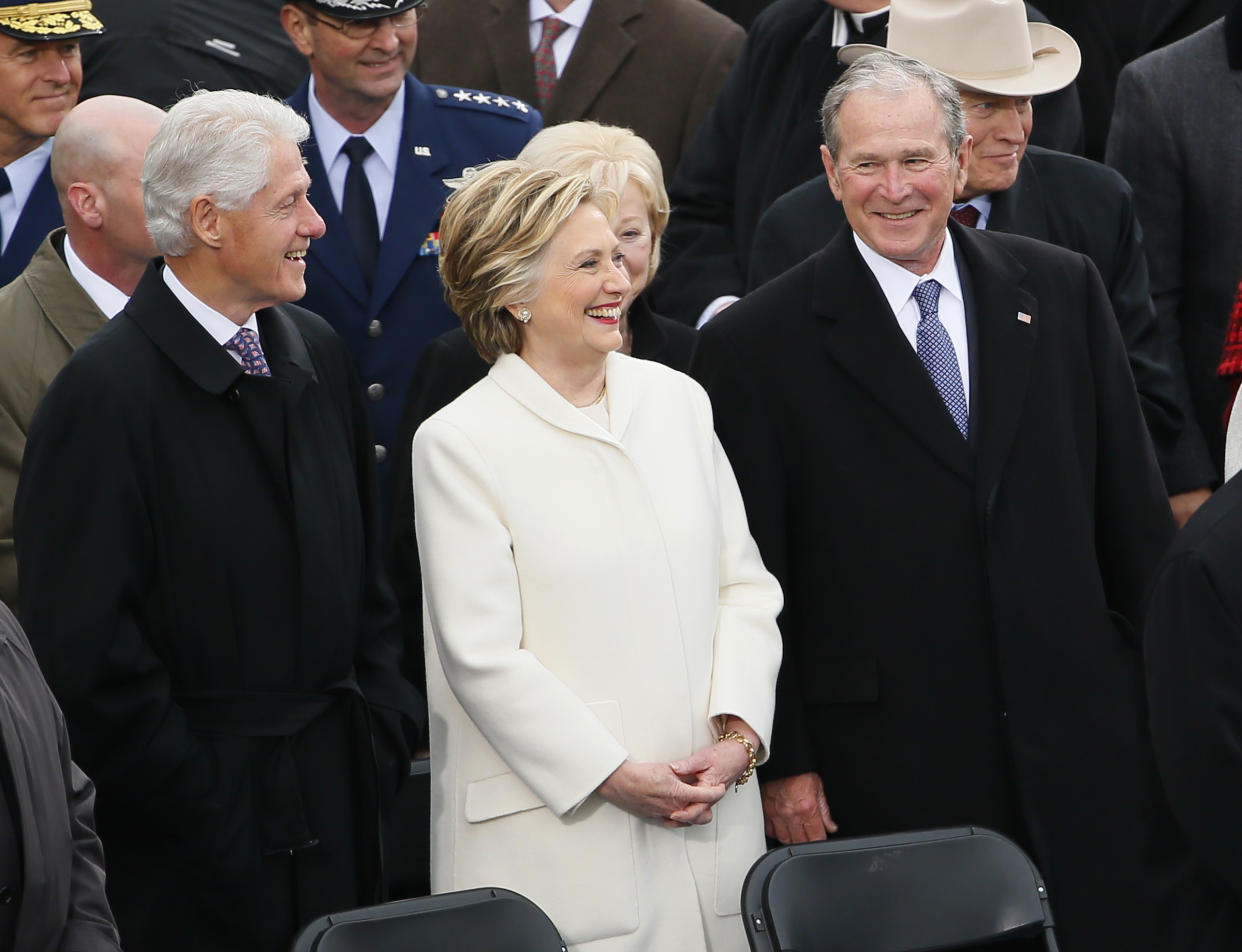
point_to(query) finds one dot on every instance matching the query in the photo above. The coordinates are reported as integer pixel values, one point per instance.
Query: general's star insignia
(501, 101)
(462, 95)
(521, 106)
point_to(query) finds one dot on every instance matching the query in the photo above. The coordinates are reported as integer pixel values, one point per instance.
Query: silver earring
(523, 315)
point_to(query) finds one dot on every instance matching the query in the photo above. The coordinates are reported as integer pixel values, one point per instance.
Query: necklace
(600, 396)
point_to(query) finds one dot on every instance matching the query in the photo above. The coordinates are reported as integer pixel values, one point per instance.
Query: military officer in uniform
(384, 148)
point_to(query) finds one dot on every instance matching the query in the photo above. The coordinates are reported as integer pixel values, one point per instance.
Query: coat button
(233, 396)
(374, 329)
(381, 453)
(7, 894)
(376, 391)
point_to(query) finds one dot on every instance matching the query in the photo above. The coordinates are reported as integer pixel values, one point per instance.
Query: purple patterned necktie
(545, 62)
(245, 344)
(968, 215)
(935, 350)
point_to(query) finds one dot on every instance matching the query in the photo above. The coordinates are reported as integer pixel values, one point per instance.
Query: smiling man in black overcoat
(944, 462)
(195, 530)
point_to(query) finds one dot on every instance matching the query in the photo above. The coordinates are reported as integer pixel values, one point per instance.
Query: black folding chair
(474, 920)
(908, 892)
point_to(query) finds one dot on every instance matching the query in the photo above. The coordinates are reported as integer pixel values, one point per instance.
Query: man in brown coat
(653, 66)
(80, 276)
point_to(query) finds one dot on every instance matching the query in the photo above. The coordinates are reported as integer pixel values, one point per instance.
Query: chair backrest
(474, 920)
(910, 892)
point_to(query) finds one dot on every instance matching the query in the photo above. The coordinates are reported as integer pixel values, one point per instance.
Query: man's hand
(1185, 504)
(795, 809)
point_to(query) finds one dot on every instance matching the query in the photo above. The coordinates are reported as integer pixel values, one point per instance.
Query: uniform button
(374, 329)
(376, 391)
(6, 895)
(381, 453)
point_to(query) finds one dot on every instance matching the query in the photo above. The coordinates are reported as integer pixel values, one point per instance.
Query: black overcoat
(1072, 202)
(205, 598)
(959, 616)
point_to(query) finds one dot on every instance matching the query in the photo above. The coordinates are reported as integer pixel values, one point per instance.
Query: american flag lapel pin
(1024, 317)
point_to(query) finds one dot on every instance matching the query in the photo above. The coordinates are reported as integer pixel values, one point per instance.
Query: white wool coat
(590, 596)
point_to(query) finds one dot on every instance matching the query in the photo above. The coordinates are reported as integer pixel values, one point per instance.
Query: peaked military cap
(361, 9)
(49, 20)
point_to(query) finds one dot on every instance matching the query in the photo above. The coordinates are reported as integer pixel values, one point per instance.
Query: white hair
(216, 143)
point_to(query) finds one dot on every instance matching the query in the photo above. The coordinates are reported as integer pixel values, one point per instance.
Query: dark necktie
(358, 208)
(545, 62)
(245, 344)
(935, 350)
(5, 187)
(968, 215)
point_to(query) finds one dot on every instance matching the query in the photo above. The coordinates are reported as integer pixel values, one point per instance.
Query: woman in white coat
(602, 650)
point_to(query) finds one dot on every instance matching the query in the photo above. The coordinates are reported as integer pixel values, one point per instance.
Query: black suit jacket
(959, 617)
(1193, 646)
(1071, 202)
(761, 139)
(204, 594)
(448, 368)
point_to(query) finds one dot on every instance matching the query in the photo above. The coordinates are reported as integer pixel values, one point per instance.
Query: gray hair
(216, 143)
(893, 76)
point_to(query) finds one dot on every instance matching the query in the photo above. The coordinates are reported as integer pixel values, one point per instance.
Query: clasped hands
(680, 793)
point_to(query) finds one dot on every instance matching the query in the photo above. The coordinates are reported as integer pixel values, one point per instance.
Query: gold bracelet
(750, 755)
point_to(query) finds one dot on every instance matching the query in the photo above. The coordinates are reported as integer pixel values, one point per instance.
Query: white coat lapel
(518, 379)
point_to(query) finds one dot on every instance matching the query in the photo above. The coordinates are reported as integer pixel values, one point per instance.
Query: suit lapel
(507, 37)
(1005, 345)
(68, 308)
(862, 336)
(602, 46)
(1021, 209)
(522, 382)
(418, 192)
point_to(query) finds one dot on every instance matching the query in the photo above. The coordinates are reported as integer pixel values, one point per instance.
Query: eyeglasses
(365, 29)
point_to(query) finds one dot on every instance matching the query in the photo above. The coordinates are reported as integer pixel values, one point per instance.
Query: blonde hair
(493, 235)
(611, 157)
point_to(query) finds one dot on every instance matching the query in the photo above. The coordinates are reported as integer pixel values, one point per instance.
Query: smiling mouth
(610, 314)
(296, 255)
(897, 216)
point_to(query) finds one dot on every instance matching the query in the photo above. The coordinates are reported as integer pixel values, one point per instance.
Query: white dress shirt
(221, 329)
(22, 173)
(380, 166)
(573, 16)
(898, 286)
(110, 299)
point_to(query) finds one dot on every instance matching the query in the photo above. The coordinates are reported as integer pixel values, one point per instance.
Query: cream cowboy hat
(984, 45)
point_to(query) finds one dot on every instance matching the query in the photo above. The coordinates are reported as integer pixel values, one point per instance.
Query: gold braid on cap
(60, 16)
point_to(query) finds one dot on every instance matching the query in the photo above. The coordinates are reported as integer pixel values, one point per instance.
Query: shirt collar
(982, 203)
(221, 329)
(24, 172)
(384, 134)
(898, 284)
(841, 23)
(110, 299)
(575, 14)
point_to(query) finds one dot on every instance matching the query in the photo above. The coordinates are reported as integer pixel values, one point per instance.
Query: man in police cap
(382, 147)
(40, 76)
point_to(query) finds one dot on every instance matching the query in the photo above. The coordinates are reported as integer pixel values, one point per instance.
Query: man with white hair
(197, 544)
(81, 276)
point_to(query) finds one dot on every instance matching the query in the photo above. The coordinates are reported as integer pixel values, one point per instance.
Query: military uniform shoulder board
(481, 101)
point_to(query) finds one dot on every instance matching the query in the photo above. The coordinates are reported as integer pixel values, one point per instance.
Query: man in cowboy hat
(40, 76)
(383, 147)
(944, 462)
(999, 61)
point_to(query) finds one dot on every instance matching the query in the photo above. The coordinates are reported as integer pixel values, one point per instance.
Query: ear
(963, 164)
(206, 221)
(297, 26)
(830, 169)
(87, 203)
